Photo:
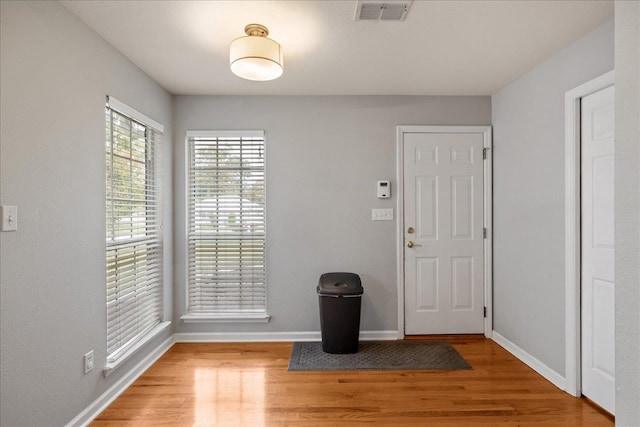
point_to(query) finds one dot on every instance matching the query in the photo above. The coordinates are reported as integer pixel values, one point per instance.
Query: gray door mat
(385, 355)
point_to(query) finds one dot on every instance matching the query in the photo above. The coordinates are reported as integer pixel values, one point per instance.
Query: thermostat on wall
(384, 189)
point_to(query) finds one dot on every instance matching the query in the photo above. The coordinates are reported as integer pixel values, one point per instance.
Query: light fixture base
(256, 30)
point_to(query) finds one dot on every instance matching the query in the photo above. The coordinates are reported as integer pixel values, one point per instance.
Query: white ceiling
(442, 48)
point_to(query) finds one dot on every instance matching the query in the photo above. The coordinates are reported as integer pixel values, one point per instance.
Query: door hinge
(484, 153)
(484, 312)
(484, 233)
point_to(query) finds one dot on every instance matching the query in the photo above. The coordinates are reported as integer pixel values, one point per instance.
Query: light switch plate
(382, 214)
(9, 216)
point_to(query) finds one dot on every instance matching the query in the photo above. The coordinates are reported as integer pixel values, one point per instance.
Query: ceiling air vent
(382, 10)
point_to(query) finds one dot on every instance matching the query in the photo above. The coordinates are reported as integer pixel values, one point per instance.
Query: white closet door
(598, 320)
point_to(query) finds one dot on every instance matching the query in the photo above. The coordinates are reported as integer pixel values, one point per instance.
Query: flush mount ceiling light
(256, 57)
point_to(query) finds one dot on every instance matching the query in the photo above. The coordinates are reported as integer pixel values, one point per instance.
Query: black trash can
(340, 295)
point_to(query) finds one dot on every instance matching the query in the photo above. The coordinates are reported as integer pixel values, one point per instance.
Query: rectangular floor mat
(386, 355)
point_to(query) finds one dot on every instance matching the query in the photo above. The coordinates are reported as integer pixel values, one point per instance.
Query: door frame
(572, 230)
(486, 132)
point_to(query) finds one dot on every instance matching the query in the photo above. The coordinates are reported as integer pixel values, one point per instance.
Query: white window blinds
(134, 230)
(226, 229)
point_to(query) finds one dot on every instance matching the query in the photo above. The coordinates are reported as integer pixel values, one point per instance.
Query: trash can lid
(340, 284)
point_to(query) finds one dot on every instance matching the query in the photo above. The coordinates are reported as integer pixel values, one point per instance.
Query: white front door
(443, 233)
(598, 320)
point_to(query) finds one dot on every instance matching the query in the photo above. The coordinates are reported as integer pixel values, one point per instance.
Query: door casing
(485, 131)
(572, 230)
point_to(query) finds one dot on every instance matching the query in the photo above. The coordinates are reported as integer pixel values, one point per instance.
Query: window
(133, 228)
(226, 226)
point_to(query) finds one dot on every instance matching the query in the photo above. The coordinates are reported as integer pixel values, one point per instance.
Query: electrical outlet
(88, 362)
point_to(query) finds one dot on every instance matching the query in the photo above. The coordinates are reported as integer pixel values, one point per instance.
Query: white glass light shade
(256, 58)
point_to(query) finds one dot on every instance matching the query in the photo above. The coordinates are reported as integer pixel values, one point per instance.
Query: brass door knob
(411, 244)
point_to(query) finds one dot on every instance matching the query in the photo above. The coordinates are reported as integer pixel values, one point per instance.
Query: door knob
(411, 244)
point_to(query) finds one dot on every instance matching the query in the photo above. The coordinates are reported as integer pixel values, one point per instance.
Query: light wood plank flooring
(248, 384)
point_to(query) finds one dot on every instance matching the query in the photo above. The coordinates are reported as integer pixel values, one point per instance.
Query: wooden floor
(248, 385)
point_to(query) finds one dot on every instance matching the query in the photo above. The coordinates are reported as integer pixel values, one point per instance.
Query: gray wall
(324, 155)
(528, 120)
(55, 75)
(627, 213)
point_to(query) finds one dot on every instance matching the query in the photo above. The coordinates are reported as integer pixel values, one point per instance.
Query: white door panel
(598, 343)
(443, 197)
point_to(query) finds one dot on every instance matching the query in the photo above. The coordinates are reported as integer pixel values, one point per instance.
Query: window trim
(226, 318)
(230, 317)
(125, 110)
(111, 365)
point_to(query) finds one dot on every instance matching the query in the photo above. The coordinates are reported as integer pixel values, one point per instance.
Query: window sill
(226, 318)
(111, 366)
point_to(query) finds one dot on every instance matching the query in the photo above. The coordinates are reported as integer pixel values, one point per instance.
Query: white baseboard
(379, 335)
(100, 404)
(246, 336)
(552, 376)
(273, 336)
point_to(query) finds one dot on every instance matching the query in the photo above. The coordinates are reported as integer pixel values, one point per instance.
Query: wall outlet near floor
(88, 362)
(382, 214)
